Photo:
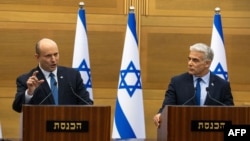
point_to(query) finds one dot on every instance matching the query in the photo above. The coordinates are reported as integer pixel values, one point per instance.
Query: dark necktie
(198, 91)
(53, 87)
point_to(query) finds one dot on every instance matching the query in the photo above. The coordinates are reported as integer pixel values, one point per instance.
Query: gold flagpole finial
(81, 5)
(217, 10)
(131, 9)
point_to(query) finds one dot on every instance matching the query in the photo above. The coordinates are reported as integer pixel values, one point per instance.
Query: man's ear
(208, 63)
(36, 56)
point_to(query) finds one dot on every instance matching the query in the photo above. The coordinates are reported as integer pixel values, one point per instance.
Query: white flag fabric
(129, 112)
(219, 63)
(1, 134)
(81, 51)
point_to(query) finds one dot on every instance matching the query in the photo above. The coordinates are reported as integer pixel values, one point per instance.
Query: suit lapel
(211, 89)
(190, 87)
(44, 86)
(61, 82)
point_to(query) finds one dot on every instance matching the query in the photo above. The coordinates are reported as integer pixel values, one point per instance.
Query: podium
(199, 123)
(66, 123)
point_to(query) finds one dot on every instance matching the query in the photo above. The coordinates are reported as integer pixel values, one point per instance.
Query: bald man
(34, 87)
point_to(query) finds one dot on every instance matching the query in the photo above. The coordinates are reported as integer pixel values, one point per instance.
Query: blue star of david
(220, 71)
(83, 67)
(123, 84)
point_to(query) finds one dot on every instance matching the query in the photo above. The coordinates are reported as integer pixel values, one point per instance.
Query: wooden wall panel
(166, 29)
(26, 28)
(9, 119)
(64, 6)
(165, 52)
(174, 24)
(18, 50)
(168, 51)
(238, 54)
(106, 55)
(197, 8)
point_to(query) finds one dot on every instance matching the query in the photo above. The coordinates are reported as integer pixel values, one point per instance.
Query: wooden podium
(66, 123)
(199, 123)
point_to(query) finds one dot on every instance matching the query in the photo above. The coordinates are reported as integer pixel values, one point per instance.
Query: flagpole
(129, 111)
(81, 59)
(219, 63)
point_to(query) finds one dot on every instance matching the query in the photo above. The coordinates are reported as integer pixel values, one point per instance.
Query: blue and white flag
(1, 134)
(129, 111)
(219, 63)
(81, 51)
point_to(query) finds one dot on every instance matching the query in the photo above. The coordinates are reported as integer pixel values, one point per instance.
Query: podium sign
(66, 123)
(199, 123)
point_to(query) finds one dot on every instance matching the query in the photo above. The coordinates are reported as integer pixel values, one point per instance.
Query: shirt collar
(46, 73)
(204, 78)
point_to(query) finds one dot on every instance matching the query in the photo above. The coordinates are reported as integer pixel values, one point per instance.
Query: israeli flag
(219, 63)
(81, 51)
(129, 111)
(1, 134)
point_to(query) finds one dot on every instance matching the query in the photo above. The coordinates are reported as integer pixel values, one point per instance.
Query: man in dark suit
(182, 88)
(34, 87)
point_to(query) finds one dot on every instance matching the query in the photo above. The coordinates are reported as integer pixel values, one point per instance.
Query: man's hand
(157, 119)
(33, 83)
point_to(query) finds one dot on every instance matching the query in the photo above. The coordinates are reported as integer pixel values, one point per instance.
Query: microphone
(79, 96)
(207, 89)
(190, 98)
(45, 98)
(55, 83)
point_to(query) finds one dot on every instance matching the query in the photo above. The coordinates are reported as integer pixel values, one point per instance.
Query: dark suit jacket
(181, 91)
(69, 84)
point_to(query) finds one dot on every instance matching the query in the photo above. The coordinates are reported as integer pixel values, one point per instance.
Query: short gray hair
(201, 47)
